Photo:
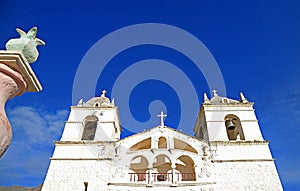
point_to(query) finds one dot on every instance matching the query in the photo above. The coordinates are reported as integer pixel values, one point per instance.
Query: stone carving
(16, 76)
(13, 82)
(26, 44)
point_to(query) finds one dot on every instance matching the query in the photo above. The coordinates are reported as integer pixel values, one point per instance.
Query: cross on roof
(103, 93)
(162, 116)
(215, 93)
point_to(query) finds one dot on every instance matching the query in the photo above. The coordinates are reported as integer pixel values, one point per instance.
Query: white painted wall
(70, 175)
(247, 176)
(215, 121)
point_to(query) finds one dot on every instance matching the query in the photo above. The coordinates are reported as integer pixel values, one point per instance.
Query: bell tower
(94, 120)
(224, 119)
(87, 147)
(240, 154)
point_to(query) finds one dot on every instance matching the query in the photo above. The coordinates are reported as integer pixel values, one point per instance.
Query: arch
(181, 145)
(186, 166)
(162, 143)
(161, 164)
(139, 165)
(90, 126)
(234, 127)
(144, 144)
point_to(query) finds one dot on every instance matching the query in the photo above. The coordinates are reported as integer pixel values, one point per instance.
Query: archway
(234, 127)
(90, 126)
(138, 167)
(161, 166)
(162, 143)
(185, 165)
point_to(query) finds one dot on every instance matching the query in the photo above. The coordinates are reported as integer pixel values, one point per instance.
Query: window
(234, 128)
(86, 184)
(162, 143)
(90, 126)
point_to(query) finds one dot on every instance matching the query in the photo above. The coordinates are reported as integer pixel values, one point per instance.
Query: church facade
(227, 152)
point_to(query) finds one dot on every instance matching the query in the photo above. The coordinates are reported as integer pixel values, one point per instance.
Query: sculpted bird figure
(26, 44)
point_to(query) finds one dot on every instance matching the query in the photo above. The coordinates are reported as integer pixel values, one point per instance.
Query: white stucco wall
(241, 151)
(108, 127)
(70, 175)
(247, 176)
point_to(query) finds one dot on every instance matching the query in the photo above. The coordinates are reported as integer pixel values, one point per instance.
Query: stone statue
(27, 44)
(16, 76)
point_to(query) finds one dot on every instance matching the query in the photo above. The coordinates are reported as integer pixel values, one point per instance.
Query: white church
(226, 153)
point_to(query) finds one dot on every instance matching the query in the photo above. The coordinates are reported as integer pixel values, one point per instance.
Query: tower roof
(219, 100)
(101, 101)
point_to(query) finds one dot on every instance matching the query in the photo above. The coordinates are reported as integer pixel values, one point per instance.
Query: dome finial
(103, 93)
(242, 98)
(206, 100)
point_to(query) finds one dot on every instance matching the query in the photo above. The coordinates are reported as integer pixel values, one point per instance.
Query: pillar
(16, 77)
(149, 177)
(173, 174)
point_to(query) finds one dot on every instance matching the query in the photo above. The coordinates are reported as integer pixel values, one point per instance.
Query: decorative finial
(27, 44)
(103, 93)
(113, 102)
(206, 100)
(242, 98)
(215, 93)
(162, 116)
(80, 103)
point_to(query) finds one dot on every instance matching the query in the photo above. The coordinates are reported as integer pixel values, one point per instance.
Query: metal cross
(162, 116)
(215, 93)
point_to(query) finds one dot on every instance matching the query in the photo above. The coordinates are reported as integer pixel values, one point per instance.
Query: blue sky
(256, 45)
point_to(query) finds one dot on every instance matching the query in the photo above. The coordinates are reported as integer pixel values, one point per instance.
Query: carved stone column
(16, 77)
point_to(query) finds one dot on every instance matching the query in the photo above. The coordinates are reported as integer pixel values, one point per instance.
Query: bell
(230, 125)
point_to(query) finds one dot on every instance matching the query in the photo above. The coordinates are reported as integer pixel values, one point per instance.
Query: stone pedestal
(16, 77)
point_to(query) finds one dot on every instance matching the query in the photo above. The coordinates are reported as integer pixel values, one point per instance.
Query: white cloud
(36, 126)
(34, 131)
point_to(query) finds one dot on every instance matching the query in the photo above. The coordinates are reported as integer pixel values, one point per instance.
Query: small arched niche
(162, 143)
(90, 126)
(234, 127)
